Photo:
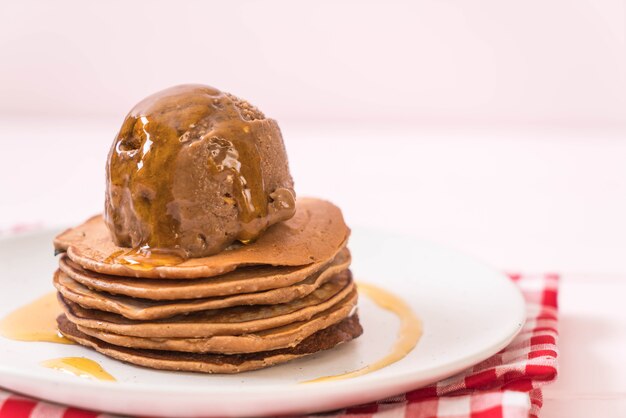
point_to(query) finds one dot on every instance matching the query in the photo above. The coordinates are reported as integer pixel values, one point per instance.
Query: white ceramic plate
(469, 312)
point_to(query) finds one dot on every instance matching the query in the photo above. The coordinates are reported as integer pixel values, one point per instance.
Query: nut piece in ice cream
(194, 169)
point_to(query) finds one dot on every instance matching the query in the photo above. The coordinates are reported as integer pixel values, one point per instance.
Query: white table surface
(528, 200)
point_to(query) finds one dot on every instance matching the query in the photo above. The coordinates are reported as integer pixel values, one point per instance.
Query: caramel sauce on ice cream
(192, 170)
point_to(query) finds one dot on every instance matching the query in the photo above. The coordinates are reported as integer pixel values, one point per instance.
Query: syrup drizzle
(145, 258)
(35, 321)
(79, 367)
(408, 335)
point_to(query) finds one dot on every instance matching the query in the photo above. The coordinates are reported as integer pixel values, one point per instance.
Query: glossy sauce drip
(144, 162)
(34, 322)
(145, 258)
(408, 335)
(79, 367)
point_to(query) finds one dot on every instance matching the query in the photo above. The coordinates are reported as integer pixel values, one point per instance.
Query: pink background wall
(557, 62)
(497, 127)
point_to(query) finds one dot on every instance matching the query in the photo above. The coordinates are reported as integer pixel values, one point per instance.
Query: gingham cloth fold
(506, 385)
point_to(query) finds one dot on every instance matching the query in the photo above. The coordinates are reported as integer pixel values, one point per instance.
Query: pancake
(325, 339)
(242, 280)
(314, 234)
(271, 339)
(237, 320)
(144, 309)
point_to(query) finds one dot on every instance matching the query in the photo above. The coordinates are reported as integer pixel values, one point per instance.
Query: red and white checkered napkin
(507, 385)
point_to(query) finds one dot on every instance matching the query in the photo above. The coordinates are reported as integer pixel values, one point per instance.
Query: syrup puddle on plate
(36, 321)
(408, 335)
(79, 367)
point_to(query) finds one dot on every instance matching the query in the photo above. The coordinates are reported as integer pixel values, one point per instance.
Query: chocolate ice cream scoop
(194, 169)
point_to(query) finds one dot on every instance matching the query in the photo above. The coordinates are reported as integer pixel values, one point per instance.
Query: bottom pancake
(325, 339)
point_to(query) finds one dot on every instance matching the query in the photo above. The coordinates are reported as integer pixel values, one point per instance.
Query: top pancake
(315, 234)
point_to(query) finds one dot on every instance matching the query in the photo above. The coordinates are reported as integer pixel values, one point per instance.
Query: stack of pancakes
(286, 295)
